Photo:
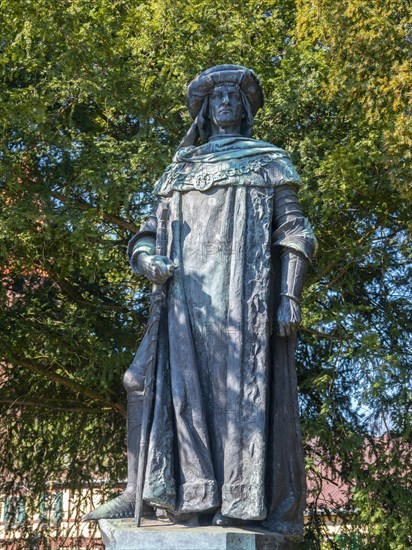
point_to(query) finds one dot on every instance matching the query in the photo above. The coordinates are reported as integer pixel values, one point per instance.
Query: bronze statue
(224, 439)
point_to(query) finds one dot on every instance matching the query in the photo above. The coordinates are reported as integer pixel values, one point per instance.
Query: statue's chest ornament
(202, 176)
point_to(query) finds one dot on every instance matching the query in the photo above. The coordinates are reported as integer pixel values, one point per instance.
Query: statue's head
(223, 96)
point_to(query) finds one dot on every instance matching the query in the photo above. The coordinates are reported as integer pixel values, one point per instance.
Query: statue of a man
(225, 436)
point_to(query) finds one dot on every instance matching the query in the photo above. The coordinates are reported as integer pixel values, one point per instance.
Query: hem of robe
(238, 502)
(198, 497)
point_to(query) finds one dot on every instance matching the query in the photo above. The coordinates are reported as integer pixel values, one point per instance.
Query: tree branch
(320, 334)
(19, 402)
(83, 205)
(71, 384)
(71, 291)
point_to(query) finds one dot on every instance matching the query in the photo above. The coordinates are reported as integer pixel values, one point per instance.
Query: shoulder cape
(228, 161)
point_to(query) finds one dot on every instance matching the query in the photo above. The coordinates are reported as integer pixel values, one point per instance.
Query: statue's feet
(222, 521)
(122, 506)
(189, 519)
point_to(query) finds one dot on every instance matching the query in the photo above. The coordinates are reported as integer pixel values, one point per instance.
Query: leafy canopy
(91, 111)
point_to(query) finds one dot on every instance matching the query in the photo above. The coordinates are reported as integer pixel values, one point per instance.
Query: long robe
(225, 429)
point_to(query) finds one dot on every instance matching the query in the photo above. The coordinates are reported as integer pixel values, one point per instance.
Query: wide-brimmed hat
(246, 79)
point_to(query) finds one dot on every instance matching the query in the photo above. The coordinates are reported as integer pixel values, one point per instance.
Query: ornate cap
(246, 79)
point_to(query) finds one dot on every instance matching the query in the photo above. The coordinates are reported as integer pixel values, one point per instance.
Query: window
(51, 506)
(13, 511)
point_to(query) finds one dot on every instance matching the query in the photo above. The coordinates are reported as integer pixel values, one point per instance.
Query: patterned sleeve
(291, 229)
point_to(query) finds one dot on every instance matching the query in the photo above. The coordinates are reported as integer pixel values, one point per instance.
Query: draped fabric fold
(225, 430)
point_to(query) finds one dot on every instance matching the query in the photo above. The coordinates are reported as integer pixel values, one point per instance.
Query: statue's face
(226, 108)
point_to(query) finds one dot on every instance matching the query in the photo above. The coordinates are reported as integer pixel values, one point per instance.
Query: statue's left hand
(288, 316)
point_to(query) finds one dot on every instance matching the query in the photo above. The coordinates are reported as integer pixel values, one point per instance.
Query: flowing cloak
(225, 429)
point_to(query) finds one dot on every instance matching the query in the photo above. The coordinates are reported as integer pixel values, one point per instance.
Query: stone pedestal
(122, 534)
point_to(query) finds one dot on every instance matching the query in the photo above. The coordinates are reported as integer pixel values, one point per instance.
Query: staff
(157, 299)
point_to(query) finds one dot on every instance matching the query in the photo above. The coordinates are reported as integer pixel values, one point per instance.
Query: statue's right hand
(156, 268)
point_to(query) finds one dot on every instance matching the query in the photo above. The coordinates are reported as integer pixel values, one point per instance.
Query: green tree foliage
(91, 110)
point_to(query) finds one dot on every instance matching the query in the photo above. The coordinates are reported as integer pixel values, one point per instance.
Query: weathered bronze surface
(224, 438)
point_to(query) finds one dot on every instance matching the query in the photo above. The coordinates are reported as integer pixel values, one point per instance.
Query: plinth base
(122, 534)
